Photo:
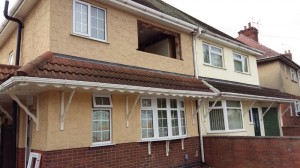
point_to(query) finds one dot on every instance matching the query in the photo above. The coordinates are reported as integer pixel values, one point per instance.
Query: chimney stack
(288, 54)
(250, 32)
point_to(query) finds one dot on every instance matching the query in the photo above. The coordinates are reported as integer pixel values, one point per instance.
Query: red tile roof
(58, 66)
(6, 71)
(252, 43)
(241, 88)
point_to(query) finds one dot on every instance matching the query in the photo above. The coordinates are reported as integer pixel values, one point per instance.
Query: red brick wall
(252, 152)
(125, 155)
(291, 124)
(20, 157)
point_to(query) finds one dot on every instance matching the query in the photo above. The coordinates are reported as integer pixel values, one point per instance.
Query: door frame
(261, 120)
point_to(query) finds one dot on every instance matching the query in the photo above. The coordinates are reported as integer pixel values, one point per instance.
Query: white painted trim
(216, 53)
(96, 144)
(200, 130)
(102, 106)
(254, 97)
(105, 143)
(37, 157)
(101, 86)
(128, 113)
(65, 108)
(242, 60)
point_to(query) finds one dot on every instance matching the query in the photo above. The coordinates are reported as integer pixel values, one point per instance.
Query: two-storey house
(277, 71)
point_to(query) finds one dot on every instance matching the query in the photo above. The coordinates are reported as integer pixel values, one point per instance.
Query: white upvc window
(213, 55)
(293, 75)
(240, 63)
(101, 117)
(297, 108)
(162, 118)
(11, 59)
(226, 115)
(89, 20)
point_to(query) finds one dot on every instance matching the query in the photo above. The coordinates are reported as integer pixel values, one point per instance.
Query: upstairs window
(155, 40)
(293, 75)
(11, 59)
(225, 115)
(213, 55)
(240, 63)
(162, 118)
(89, 20)
(101, 117)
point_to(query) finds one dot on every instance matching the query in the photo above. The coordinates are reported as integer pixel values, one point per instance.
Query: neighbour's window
(11, 59)
(162, 118)
(297, 108)
(293, 75)
(152, 39)
(89, 20)
(213, 55)
(101, 119)
(225, 115)
(240, 63)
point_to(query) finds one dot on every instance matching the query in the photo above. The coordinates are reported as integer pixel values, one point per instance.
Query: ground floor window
(225, 115)
(162, 118)
(101, 117)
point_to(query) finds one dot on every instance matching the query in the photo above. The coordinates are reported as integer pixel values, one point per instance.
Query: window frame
(224, 107)
(297, 107)
(242, 60)
(89, 25)
(102, 106)
(110, 128)
(209, 55)
(11, 58)
(294, 76)
(168, 108)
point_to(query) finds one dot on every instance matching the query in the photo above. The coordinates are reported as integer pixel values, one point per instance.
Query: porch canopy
(65, 73)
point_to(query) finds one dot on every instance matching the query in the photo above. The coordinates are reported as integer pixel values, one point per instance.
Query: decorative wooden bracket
(128, 114)
(289, 107)
(6, 113)
(250, 107)
(27, 111)
(63, 109)
(265, 112)
(210, 108)
(197, 110)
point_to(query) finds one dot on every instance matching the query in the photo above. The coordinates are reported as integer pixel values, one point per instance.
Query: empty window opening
(158, 41)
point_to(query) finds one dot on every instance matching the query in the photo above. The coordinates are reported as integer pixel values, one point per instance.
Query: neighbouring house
(116, 83)
(277, 71)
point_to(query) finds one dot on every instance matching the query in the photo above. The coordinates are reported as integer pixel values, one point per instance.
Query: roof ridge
(33, 65)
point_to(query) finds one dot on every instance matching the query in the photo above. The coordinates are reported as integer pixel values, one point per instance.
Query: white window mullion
(89, 20)
(179, 116)
(169, 116)
(155, 118)
(225, 114)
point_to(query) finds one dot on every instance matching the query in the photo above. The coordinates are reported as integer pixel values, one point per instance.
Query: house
(277, 71)
(110, 83)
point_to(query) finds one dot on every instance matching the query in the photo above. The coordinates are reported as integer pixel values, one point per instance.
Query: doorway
(255, 115)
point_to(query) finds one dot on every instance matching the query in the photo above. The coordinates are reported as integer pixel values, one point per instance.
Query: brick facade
(125, 155)
(291, 124)
(20, 157)
(252, 152)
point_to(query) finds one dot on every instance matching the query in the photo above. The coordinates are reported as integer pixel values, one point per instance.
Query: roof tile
(7, 71)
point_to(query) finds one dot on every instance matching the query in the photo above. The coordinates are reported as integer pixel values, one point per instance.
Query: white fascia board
(254, 97)
(96, 85)
(152, 14)
(230, 43)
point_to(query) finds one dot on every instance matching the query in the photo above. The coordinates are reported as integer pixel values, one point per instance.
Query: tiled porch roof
(57, 66)
(7, 71)
(241, 88)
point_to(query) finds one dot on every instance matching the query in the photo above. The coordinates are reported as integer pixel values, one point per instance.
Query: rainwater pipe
(14, 104)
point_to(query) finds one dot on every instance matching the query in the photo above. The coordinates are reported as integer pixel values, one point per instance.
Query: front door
(271, 122)
(256, 122)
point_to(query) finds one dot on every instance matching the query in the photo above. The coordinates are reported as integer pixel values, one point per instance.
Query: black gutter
(15, 106)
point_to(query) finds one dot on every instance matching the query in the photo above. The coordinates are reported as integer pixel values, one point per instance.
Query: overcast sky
(278, 20)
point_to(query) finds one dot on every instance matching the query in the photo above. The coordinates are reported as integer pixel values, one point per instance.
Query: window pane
(216, 117)
(182, 104)
(245, 64)
(101, 125)
(146, 102)
(218, 50)
(206, 53)
(174, 120)
(161, 103)
(94, 33)
(173, 103)
(238, 66)
(216, 60)
(147, 124)
(183, 127)
(102, 101)
(101, 34)
(101, 14)
(234, 119)
(218, 104)
(94, 12)
(162, 123)
(233, 103)
(237, 56)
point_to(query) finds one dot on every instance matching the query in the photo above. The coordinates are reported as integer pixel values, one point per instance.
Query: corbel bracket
(65, 107)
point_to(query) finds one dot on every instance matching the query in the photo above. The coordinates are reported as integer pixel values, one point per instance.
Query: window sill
(86, 37)
(251, 123)
(160, 55)
(244, 73)
(101, 144)
(214, 66)
(164, 139)
(294, 81)
(225, 132)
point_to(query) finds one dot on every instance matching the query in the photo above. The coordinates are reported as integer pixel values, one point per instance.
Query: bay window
(89, 20)
(225, 115)
(162, 118)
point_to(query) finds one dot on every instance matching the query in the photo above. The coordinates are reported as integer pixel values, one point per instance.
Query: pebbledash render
(123, 84)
